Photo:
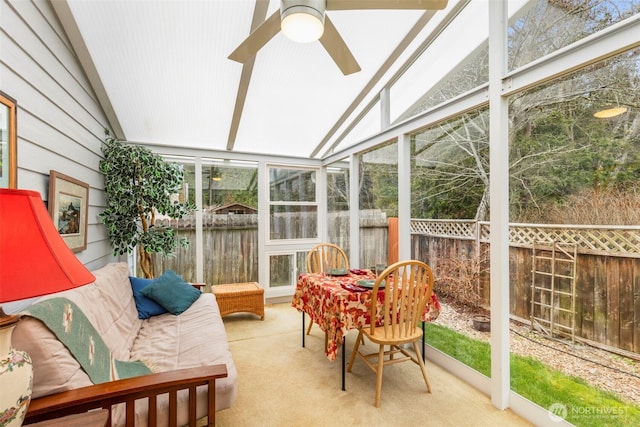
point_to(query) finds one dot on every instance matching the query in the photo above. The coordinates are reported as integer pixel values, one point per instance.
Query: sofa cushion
(195, 338)
(146, 306)
(171, 292)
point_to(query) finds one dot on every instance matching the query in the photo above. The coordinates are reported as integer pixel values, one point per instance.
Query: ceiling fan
(306, 21)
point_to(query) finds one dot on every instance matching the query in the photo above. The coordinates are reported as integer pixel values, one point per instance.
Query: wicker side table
(240, 297)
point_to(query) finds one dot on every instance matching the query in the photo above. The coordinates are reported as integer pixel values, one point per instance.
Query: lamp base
(16, 376)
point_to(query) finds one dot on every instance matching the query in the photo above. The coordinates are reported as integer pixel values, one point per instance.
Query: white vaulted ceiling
(161, 71)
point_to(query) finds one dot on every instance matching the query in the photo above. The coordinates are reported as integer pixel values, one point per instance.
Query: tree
(140, 184)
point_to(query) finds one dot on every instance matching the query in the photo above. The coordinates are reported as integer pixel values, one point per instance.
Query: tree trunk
(146, 262)
(483, 206)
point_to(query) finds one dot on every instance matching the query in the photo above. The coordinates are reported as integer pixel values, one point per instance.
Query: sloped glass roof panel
(545, 26)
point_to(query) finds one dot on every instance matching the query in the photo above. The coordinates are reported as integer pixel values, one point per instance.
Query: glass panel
(230, 221)
(294, 222)
(450, 66)
(569, 150)
(281, 270)
(230, 224)
(472, 72)
(575, 180)
(450, 169)
(367, 126)
(230, 184)
(378, 201)
(183, 260)
(338, 204)
(449, 178)
(301, 262)
(545, 26)
(292, 185)
(293, 204)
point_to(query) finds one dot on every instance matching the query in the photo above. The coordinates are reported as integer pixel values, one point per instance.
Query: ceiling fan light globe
(302, 24)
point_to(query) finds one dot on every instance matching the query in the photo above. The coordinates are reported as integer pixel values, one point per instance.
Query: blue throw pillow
(171, 292)
(146, 306)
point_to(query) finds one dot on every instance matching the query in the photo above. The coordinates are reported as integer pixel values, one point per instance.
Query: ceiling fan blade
(386, 4)
(257, 39)
(337, 48)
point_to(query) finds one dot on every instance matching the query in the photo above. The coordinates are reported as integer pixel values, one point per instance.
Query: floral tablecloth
(331, 303)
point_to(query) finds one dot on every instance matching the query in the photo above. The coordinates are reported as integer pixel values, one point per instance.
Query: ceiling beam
(259, 15)
(70, 26)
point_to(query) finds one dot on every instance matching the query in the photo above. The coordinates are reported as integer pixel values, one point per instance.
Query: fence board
(636, 307)
(599, 300)
(613, 304)
(585, 310)
(520, 282)
(626, 315)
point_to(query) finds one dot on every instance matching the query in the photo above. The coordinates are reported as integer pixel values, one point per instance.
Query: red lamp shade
(34, 260)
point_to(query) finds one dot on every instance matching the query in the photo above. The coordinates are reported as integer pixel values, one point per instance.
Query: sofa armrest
(128, 391)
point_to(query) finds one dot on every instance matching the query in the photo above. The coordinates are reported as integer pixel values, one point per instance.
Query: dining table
(339, 302)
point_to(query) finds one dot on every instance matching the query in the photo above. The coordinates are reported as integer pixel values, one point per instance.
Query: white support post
(404, 197)
(499, 202)
(263, 224)
(354, 211)
(323, 209)
(385, 108)
(199, 232)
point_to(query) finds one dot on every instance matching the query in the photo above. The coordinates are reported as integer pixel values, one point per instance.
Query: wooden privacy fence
(607, 300)
(230, 242)
(230, 245)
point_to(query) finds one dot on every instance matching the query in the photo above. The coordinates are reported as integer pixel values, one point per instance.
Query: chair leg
(379, 375)
(422, 367)
(309, 327)
(354, 353)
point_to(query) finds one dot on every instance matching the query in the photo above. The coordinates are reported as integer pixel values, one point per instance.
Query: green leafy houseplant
(140, 184)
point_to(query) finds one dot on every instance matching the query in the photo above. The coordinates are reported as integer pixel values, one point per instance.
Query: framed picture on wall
(8, 142)
(68, 207)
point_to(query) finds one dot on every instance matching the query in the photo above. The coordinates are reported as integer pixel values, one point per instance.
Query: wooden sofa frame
(128, 391)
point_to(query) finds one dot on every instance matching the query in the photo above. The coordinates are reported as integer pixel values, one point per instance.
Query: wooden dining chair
(326, 256)
(323, 257)
(407, 288)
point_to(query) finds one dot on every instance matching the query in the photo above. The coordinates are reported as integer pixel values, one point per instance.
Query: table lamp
(34, 261)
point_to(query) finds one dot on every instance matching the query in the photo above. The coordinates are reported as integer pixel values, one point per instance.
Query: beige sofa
(166, 343)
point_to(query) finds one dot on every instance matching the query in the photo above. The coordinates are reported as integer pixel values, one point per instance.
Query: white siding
(60, 122)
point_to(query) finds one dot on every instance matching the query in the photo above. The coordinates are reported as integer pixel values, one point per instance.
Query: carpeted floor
(283, 384)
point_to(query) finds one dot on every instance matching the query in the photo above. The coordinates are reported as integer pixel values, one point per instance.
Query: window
(293, 204)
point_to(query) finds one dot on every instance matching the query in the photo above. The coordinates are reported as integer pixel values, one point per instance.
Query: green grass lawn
(586, 405)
